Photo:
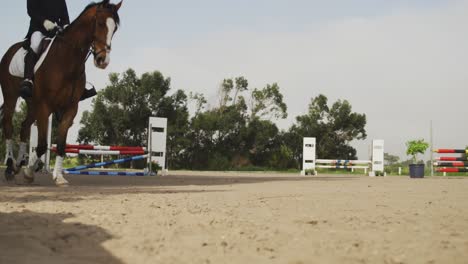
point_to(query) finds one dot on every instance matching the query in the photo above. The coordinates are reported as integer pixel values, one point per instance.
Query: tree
(392, 163)
(334, 128)
(390, 160)
(216, 137)
(199, 101)
(231, 90)
(18, 118)
(234, 134)
(175, 109)
(268, 102)
(261, 141)
(263, 136)
(121, 112)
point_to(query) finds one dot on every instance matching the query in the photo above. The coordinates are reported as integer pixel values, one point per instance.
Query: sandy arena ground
(236, 218)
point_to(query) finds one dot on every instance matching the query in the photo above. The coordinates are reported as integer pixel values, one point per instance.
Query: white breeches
(36, 40)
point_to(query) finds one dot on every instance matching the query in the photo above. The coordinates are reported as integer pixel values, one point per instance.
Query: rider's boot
(88, 93)
(27, 85)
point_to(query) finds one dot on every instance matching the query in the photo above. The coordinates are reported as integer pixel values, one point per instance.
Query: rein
(88, 51)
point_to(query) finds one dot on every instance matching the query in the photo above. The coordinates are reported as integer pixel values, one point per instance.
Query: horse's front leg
(65, 124)
(35, 163)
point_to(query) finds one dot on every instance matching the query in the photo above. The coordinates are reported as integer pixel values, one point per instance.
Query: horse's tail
(1, 114)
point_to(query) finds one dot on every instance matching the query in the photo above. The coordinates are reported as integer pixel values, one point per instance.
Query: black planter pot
(416, 170)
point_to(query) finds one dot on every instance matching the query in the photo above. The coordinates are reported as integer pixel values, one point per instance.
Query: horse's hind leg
(24, 137)
(7, 122)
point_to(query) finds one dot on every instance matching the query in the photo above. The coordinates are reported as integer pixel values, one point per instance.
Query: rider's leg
(29, 62)
(87, 93)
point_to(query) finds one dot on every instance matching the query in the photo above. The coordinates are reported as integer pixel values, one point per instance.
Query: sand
(236, 218)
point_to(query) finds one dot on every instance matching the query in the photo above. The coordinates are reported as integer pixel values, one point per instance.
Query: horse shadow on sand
(30, 237)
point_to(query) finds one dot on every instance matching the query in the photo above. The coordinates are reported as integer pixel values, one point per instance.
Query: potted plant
(415, 147)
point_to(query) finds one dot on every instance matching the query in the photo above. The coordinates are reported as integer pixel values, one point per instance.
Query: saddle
(17, 62)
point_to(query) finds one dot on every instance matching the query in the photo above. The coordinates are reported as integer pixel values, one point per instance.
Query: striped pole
(341, 167)
(447, 151)
(453, 170)
(452, 159)
(91, 147)
(106, 173)
(107, 163)
(350, 162)
(103, 152)
(451, 164)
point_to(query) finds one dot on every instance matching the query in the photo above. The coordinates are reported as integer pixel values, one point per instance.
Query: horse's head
(106, 23)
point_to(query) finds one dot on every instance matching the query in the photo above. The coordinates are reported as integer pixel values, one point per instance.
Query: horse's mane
(104, 4)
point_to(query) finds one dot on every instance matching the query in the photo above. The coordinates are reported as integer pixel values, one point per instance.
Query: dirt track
(229, 218)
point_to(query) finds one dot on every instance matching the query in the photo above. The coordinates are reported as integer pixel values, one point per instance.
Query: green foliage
(268, 102)
(230, 90)
(200, 102)
(214, 134)
(390, 159)
(121, 111)
(18, 118)
(237, 133)
(282, 158)
(415, 147)
(261, 141)
(391, 163)
(333, 126)
(219, 162)
(233, 135)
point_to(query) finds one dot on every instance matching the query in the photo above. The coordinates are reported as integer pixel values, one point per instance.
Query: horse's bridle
(92, 50)
(107, 48)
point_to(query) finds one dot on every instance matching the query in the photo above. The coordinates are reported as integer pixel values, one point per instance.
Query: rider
(46, 16)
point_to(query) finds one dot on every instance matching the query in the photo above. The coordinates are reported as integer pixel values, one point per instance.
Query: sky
(402, 63)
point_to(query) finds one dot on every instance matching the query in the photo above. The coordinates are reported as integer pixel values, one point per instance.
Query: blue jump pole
(107, 163)
(78, 170)
(107, 173)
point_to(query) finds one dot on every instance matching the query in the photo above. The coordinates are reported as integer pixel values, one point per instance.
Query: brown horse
(59, 84)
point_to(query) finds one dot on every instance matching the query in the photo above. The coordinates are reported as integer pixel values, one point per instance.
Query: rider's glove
(49, 25)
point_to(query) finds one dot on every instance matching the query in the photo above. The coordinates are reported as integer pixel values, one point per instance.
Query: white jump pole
(375, 164)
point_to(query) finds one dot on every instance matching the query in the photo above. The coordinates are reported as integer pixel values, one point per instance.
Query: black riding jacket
(40, 10)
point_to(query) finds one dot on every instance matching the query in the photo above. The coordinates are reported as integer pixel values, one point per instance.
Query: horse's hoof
(61, 182)
(9, 171)
(40, 166)
(9, 175)
(19, 165)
